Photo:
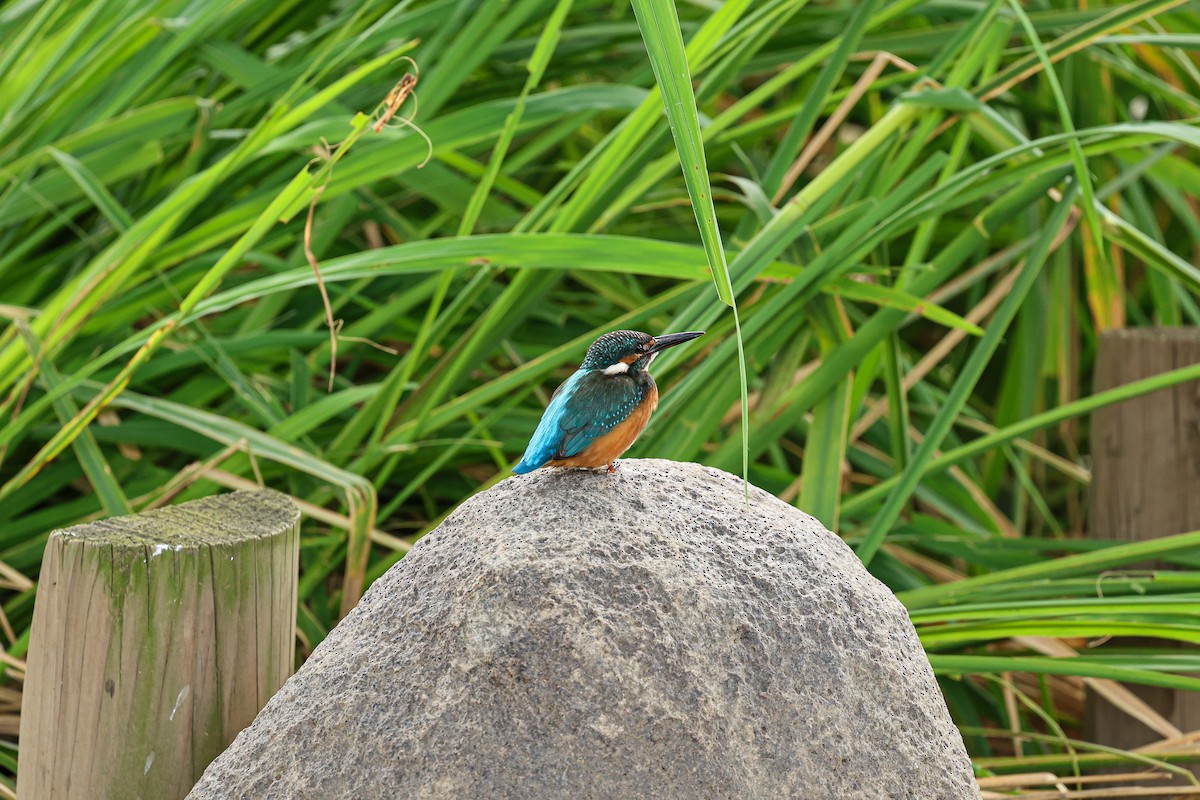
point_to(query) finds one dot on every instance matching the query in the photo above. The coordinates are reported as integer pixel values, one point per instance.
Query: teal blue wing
(597, 406)
(585, 407)
(548, 436)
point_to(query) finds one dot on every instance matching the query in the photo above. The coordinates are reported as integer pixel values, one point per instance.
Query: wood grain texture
(1145, 484)
(156, 638)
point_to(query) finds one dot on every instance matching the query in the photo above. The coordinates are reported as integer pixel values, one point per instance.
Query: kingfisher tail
(528, 464)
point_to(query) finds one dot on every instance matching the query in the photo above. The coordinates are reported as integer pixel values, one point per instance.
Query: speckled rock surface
(576, 635)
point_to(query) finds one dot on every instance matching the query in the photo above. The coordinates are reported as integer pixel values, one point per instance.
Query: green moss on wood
(163, 643)
(221, 519)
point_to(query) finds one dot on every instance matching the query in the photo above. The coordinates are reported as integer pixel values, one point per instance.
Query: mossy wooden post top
(156, 638)
(222, 519)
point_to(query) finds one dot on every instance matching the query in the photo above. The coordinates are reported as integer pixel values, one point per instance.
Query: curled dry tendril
(404, 88)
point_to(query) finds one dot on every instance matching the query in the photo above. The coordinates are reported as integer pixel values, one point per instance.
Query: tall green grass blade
(1104, 289)
(97, 469)
(944, 664)
(825, 450)
(965, 383)
(94, 189)
(815, 99)
(1083, 563)
(664, 44)
(1038, 422)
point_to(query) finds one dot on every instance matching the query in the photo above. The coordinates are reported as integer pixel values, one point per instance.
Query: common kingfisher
(597, 413)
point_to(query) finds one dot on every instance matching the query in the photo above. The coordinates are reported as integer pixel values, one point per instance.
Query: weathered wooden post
(156, 638)
(1145, 484)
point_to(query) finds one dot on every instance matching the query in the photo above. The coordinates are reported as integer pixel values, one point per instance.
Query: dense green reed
(925, 212)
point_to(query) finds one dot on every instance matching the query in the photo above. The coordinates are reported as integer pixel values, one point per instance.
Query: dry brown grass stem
(312, 261)
(1014, 716)
(231, 481)
(404, 88)
(999, 787)
(1110, 690)
(1122, 792)
(953, 338)
(869, 76)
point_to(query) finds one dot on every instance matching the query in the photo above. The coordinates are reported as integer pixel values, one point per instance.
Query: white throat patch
(620, 368)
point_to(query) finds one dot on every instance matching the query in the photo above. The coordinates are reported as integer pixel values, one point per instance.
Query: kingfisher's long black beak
(672, 339)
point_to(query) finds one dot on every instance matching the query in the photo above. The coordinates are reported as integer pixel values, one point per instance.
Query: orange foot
(612, 467)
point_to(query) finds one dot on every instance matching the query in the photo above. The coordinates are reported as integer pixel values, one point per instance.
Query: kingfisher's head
(623, 352)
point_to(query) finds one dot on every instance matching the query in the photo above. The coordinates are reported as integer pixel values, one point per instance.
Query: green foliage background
(924, 226)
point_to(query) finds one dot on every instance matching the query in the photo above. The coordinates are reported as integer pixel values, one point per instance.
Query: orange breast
(609, 447)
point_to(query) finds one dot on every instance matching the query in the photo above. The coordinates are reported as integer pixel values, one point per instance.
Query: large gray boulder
(644, 634)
